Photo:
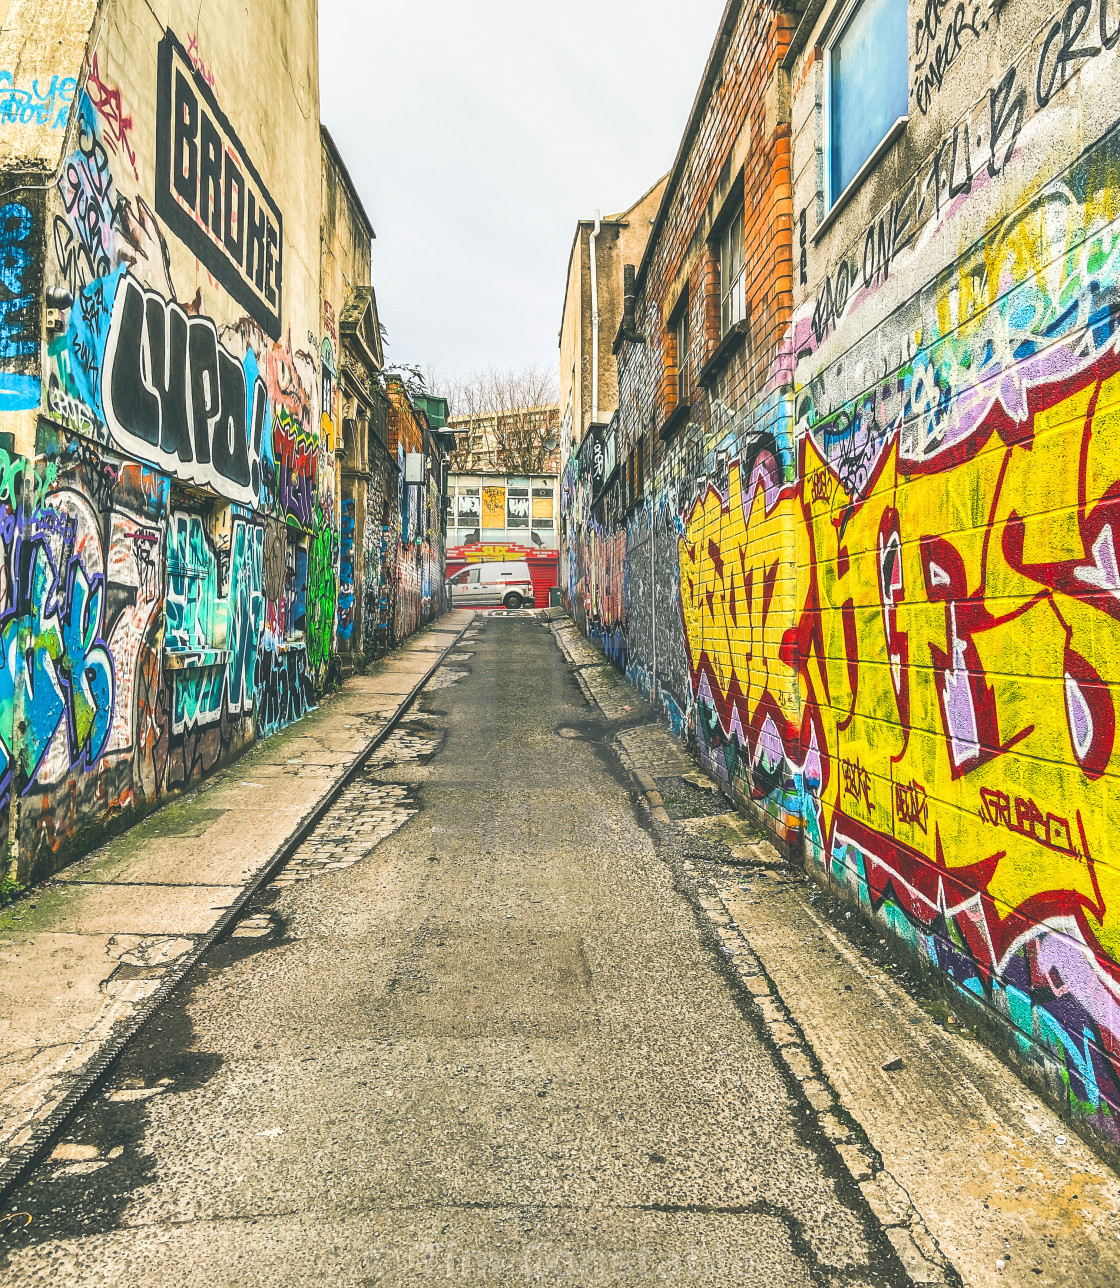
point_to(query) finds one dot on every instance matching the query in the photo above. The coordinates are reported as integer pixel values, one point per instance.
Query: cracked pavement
(492, 1042)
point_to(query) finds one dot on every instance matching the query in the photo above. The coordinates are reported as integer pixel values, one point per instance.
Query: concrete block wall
(956, 392)
(872, 571)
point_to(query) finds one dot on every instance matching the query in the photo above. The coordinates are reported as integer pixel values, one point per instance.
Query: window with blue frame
(868, 72)
(192, 583)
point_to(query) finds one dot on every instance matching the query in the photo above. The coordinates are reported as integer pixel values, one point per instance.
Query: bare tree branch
(512, 421)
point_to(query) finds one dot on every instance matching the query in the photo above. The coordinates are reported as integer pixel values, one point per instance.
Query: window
(192, 581)
(517, 507)
(683, 386)
(868, 72)
(494, 508)
(636, 472)
(732, 274)
(803, 239)
(469, 507)
(296, 584)
(544, 508)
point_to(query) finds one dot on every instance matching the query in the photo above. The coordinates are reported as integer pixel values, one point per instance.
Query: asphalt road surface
(496, 1047)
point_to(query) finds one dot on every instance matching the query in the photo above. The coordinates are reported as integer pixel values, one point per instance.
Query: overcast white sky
(479, 131)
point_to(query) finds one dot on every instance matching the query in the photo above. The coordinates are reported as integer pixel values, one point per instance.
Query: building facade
(852, 527)
(955, 343)
(503, 492)
(188, 326)
(593, 308)
(503, 509)
(355, 414)
(416, 590)
(701, 371)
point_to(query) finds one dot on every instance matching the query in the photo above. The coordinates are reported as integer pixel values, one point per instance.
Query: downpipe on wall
(594, 322)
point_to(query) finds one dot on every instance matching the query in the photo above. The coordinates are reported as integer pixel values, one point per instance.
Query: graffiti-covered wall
(169, 517)
(413, 547)
(957, 401)
(704, 389)
(855, 534)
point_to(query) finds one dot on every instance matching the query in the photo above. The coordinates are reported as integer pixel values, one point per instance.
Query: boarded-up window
(518, 507)
(493, 507)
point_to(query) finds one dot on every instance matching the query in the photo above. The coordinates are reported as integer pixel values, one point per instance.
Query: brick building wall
(682, 566)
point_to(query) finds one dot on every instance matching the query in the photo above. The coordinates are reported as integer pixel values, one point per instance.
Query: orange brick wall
(651, 590)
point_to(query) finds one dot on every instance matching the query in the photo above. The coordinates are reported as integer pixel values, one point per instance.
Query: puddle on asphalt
(84, 1187)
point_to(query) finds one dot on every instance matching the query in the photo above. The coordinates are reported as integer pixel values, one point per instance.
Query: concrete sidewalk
(961, 1162)
(85, 957)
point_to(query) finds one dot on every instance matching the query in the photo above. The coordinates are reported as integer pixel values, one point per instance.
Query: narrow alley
(489, 1024)
(495, 1046)
(560, 687)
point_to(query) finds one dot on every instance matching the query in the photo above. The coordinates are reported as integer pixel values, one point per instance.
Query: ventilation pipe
(595, 325)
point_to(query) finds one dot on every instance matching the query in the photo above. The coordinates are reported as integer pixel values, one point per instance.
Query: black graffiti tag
(1067, 47)
(82, 238)
(941, 46)
(176, 397)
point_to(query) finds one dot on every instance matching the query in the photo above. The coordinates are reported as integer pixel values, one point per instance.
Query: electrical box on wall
(414, 467)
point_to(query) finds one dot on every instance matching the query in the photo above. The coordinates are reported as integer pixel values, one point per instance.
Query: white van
(486, 585)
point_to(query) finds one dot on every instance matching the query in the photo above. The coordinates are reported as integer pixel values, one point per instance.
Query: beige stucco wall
(571, 346)
(622, 240)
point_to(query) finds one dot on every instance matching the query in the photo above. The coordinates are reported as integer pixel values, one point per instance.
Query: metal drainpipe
(652, 581)
(594, 325)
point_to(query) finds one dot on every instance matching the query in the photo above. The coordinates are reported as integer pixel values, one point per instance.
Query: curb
(918, 1251)
(25, 1156)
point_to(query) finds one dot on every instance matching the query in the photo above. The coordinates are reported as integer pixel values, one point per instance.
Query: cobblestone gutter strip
(918, 1251)
(46, 1131)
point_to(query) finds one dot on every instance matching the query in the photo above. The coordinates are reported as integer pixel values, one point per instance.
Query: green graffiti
(12, 469)
(322, 594)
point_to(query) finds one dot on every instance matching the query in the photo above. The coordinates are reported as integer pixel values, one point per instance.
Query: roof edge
(336, 157)
(703, 95)
(621, 216)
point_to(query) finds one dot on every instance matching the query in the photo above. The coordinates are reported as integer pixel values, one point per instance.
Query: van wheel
(513, 601)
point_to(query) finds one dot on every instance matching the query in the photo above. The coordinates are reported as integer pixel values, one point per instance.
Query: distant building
(503, 492)
(598, 316)
(593, 313)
